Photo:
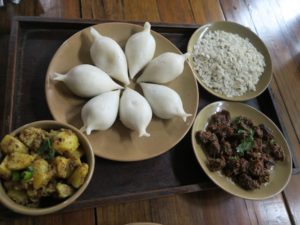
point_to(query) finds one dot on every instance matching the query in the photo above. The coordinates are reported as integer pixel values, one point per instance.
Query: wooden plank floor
(276, 22)
(197, 208)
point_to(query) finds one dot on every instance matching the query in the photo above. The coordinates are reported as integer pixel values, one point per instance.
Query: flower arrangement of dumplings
(107, 97)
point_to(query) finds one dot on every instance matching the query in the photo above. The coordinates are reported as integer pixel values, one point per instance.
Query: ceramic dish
(90, 160)
(243, 32)
(281, 173)
(119, 143)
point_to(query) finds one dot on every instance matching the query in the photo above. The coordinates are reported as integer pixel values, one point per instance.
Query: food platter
(245, 33)
(280, 174)
(119, 143)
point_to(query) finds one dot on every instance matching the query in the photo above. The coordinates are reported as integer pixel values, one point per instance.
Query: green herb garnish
(15, 176)
(237, 120)
(246, 145)
(46, 150)
(233, 158)
(272, 142)
(27, 174)
(241, 131)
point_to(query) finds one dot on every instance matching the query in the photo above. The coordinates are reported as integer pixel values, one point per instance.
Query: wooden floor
(277, 22)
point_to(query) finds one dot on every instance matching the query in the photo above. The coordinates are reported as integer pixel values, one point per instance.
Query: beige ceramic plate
(119, 143)
(243, 32)
(282, 170)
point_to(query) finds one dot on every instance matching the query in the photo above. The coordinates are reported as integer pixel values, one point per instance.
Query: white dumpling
(164, 101)
(107, 54)
(100, 112)
(135, 111)
(139, 50)
(87, 81)
(164, 68)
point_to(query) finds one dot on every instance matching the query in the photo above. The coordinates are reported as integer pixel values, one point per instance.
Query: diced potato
(65, 141)
(19, 196)
(41, 173)
(40, 165)
(63, 167)
(75, 162)
(78, 153)
(33, 137)
(19, 161)
(78, 176)
(64, 190)
(5, 173)
(10, 144)
(75, 156)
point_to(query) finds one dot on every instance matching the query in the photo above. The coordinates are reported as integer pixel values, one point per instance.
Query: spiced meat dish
(239, 149)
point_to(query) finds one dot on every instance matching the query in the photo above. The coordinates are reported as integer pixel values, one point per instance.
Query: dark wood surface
(276, 22)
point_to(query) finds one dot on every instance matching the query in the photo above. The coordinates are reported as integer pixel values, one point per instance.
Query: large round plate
(281, 173)
(243, 32)
(119, 143)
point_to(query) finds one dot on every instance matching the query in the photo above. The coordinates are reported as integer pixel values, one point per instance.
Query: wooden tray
(33, 42)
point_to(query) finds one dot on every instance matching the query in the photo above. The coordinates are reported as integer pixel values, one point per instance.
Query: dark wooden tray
(33, 42)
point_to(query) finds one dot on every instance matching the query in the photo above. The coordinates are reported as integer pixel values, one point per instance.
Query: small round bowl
(49, 124)
(245, 33)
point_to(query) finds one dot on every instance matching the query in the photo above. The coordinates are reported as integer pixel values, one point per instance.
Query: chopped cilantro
(27, 174)
(233, 158)
(46, 150)
(15, 176)
(246, 145)
(241, 131)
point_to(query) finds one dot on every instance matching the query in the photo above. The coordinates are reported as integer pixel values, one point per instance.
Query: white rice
(227, 63)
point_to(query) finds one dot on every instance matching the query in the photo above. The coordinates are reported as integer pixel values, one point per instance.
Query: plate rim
(209, 173)
(175, 49)
(204, 28)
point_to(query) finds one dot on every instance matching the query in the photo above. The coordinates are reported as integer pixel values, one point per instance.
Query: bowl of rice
(230, 61)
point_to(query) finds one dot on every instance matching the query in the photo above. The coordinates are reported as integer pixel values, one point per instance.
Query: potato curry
(38, 164)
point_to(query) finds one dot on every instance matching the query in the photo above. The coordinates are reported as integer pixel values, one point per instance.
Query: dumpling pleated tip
(186, 55)
(95, 34)
(144, 134)
(147, 26)
(185, 116)
(86, 130)
(58, 76)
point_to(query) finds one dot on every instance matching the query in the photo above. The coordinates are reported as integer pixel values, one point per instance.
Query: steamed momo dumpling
(135, 111)
(139, 50)
(164, 68)
(164, 101)
(87, 81)
(107, 54)
(100, 112)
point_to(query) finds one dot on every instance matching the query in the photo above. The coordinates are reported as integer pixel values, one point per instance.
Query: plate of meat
(241, 150)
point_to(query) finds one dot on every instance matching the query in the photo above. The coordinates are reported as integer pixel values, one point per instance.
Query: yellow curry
(38, 164)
